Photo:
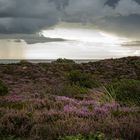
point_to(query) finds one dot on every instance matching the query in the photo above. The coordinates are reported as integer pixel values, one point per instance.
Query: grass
(125, 91)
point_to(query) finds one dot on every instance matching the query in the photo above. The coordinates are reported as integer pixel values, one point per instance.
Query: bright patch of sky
(81, 43)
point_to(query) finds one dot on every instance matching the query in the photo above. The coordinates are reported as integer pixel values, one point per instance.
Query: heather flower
(89, 102)
(101, 111)
(70, 109)
(129, 109)
(111, 106)
(14, 98)
(67, 99)
(84, 112)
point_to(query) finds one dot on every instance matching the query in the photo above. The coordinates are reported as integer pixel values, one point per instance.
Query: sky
(37, 21)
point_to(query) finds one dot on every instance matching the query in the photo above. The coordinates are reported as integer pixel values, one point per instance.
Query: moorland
(63, 100)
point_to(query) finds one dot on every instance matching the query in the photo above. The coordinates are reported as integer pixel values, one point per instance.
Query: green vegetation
(63, 100)
(60, 60)
(82, 79)
(97, 136)
(22, 62)
(3, 89)
(11, 138)
(69, 90)
(125, 91)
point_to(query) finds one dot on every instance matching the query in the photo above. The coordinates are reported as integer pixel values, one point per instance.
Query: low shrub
(69, 90)
(125, 91)
(97, 136)
(82, 79)
(15, 123)
(24, 62)
(60, 60)
(3, 89)
(11, 138)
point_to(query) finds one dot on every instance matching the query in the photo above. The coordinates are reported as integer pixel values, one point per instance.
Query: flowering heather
(129, 109)
(67, 99)
(89, 102)
(70, 109)
(112, 106)
(33, 110)
(45, 112)
(14, 98)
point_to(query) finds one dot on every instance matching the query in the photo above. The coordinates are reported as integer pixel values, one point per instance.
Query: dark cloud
(24, 25)
(28, 16)
(121, 25)
(112, 3)
(30, 38)
(31, 16)
(132, 44)
(138, 1)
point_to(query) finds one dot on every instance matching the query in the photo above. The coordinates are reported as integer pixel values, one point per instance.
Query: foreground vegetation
(68, 101)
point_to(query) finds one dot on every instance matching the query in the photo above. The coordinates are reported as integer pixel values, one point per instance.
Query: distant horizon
(13, 61)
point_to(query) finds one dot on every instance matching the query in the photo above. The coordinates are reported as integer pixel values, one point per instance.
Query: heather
(68, 101)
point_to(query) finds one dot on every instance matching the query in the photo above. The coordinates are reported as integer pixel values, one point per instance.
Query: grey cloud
(127, 7)
(121, 25)
(138, 1)
(112, 3)
(28, 16)
(132, 44)
(31, 16)
(24, 25)
(121, 17)
(29, 38)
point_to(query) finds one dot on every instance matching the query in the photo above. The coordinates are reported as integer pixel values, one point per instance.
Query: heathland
(63, 100)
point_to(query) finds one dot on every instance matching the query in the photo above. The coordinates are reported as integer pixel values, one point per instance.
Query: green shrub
(82, 79)
(125, 91)
(97, 136)
(3, 89)
(60, 60)
(13, 105)
(135, 63)
(17, 124)
(70, 90)
(11, 138)
(24, 62)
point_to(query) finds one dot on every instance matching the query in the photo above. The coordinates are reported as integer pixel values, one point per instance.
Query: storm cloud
(31, 16)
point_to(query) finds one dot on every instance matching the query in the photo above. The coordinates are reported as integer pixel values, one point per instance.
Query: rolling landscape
(63, 100)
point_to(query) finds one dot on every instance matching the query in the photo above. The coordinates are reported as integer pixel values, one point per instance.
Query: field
(63, 100)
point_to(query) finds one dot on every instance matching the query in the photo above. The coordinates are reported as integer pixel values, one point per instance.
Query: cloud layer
(31, 16)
